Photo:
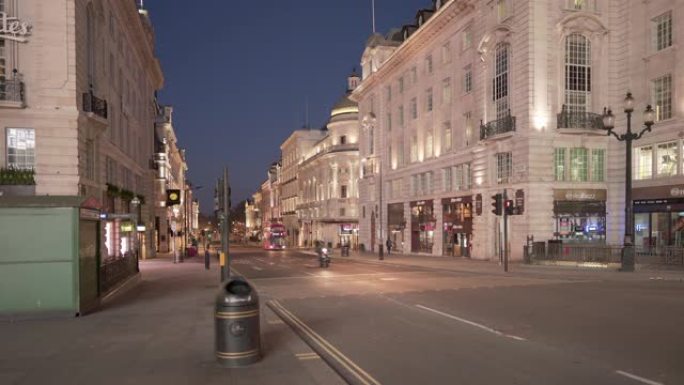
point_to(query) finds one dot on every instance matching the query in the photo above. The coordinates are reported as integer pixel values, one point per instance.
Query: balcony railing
(497, 127)
(95, 105)
(579, 120)
(12, 89)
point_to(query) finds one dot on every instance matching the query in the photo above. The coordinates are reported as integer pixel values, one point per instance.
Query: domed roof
(344, 109)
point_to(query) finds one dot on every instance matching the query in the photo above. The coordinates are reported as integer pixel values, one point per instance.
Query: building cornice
(424, 35)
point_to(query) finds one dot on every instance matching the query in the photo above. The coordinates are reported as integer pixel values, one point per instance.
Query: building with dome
(327, 176)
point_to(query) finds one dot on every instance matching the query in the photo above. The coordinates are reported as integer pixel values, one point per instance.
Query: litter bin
(238, 341)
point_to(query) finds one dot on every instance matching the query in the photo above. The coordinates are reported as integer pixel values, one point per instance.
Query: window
(468, 128)
(414, 148)
(343, 191)
(446, 172)
(559, 164)
(458, 177)
(21, 148)
(467, 38)
(388, 94)
(428, 100)
(577, 73)
(343, 212)
(662, 31)
(500, 81)
(429, 144)
(581, 5)
(414, 76)
(666, 159)
(502, 9)
(414, 108)
(428, 64)
(662, 96)
(467, 176)
(446, 53)
(448, 139)
(579, 163)
(598, 160)
(371, 140)
(504, 167)
(643, 163)
(112, 171)
(467, 79)
(401, 84)
(389, 122)
(401, 116)
(343, 140)
(90, 159)
(446, 91)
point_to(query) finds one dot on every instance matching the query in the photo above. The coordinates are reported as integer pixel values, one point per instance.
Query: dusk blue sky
(239, 75)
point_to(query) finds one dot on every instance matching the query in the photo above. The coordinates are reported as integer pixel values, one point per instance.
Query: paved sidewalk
(495, 268)
(159, 332)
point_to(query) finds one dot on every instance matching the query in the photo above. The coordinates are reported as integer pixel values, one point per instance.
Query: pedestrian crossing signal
(497, 200)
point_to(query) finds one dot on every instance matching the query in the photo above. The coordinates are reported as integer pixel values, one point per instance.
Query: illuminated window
(467, 38)
(666, 159)
(468, 128)
(579, 165)
(662, 31)
(414, 148)
(502, 9)
(448, 138)
(559, 164)
(662, 96)
(598, 160)
(643, 163)
(21, 148)
(429, 144)
(447, 178)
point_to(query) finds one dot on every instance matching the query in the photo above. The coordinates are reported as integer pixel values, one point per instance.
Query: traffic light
(508, 206)
(173, 197)
(497, 200)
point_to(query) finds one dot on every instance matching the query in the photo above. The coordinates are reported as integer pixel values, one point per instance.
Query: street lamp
(628, 137)
(369, 123)
(135, 202)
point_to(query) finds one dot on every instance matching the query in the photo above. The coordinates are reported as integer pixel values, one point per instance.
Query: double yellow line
(361, 375)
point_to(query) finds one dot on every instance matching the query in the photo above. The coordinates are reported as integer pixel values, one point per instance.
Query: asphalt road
(407, 325)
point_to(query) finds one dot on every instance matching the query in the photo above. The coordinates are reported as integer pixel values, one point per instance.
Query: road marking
(308, 356)
(320, 343)
(256, 268)
(471, 323)
(388, 279)
(637, 378)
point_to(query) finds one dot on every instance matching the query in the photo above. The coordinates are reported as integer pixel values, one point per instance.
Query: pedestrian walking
(389, 245)
(207, 259)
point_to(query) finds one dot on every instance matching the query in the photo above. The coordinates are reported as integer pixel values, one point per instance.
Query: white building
(293, 152)
(479, 96)
(328, 178)
(77, 84)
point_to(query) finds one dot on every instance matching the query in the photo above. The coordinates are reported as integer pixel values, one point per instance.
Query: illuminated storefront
(659, 216)
(423, 225)
(580, 215)
(457, 226)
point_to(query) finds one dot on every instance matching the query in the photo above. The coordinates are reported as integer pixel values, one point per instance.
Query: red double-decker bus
(274, 236)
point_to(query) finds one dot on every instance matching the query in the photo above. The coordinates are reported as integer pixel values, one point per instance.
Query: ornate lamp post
(628, 137)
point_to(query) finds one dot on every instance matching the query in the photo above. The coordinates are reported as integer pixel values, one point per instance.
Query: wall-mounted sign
(127, 227)
(579, 195)
(11, 28)
(478, 204)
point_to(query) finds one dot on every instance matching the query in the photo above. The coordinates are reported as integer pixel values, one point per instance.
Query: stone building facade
(77, 105)
(474, 97)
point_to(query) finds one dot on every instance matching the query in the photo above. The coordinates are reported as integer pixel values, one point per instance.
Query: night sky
(239, 75)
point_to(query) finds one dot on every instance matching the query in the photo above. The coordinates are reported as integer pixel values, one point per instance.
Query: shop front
(580, 215)
(423, 225)
(457, 226)
(396, 225)
(349, 235)
(659, 216)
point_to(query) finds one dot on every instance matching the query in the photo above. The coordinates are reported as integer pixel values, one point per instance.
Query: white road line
(637, 378)
(256, 268)
(388, 279)
(471, 323)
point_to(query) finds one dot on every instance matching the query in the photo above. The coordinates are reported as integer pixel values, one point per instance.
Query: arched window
(577, 73)
(500, 82)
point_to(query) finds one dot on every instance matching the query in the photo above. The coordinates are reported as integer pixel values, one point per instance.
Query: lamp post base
(381, 253)
(627, 261)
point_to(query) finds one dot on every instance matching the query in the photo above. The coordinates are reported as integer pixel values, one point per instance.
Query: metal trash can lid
(236, 292)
